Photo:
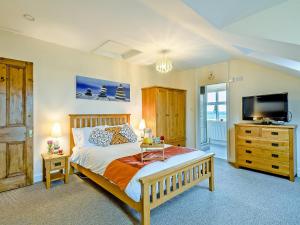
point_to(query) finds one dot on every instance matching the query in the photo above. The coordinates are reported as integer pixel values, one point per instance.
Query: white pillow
(81, 135)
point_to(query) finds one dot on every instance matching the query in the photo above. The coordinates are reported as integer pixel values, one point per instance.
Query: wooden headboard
(92, 120)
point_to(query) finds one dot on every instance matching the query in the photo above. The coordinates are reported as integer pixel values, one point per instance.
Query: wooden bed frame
(191, 172)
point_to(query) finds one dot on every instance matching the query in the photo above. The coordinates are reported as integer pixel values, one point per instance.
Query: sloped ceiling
(197, 32)
(226, 12)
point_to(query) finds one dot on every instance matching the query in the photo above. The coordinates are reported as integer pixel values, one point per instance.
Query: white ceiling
(196, 32)
(225, 12)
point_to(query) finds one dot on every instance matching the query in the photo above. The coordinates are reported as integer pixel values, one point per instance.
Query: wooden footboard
(160, 187)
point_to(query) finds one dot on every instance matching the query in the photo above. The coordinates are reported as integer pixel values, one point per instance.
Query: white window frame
(216, 104)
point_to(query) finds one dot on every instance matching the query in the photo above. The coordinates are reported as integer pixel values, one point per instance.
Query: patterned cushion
(127, 132)
(100, 137)
(117, 137)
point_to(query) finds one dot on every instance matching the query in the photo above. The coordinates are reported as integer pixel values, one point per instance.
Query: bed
(152, 186)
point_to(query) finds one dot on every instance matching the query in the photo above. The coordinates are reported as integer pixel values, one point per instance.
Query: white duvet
(98, 158)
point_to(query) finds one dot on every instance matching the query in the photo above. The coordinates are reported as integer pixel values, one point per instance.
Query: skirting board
(37, 178)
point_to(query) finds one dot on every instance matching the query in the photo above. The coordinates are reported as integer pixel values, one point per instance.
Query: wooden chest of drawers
(267, 148)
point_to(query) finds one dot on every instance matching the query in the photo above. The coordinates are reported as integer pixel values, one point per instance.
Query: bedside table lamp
(56, 133)
(142, 127)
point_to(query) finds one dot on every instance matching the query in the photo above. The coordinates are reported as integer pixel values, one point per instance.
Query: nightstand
(55, 167)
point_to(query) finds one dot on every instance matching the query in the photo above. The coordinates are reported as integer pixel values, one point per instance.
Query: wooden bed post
(145, 212)
(71, 170)
(212, 175)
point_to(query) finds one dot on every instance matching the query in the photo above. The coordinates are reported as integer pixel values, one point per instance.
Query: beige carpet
(241, 197)
(79, 202)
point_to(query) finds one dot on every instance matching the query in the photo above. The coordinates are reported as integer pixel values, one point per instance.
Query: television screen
(274, 107)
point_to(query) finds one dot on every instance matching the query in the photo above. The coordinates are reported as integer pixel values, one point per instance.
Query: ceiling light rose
(164, 64)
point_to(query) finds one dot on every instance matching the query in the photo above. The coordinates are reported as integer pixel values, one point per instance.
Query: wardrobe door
(180, 114)
(171, 118)
(15, 124)
(162, 113)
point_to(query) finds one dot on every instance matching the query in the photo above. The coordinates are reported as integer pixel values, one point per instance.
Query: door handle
(2, 79)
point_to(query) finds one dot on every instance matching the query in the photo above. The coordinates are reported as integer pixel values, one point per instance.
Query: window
(211, 112)
(216, 105)
(211, 97)
(222, 96)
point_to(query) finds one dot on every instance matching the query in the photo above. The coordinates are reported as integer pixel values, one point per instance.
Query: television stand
(268, 148)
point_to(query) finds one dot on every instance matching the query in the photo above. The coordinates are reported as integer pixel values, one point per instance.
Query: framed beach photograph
(103, 90)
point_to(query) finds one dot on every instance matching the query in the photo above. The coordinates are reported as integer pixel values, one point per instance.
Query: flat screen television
(272, 107)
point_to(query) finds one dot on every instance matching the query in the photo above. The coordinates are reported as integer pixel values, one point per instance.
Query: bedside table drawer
(57, 164)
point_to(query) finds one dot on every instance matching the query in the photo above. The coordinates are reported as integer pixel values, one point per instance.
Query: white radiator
(216, 131)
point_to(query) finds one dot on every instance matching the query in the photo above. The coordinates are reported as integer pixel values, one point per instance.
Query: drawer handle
(248, 131)
(57, 164)
(275, 167)
(248, 161)
(248, 142)
(274, 133)
(275, 155)
(275, 144)
(248, 151)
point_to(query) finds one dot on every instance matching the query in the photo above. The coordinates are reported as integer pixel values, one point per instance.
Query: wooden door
(162, 113)
(16, 124)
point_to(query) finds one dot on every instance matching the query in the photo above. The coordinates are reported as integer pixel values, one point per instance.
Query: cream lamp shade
(56, 130)
(142, 125)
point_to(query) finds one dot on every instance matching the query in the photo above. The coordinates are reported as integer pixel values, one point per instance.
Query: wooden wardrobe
(164, 110)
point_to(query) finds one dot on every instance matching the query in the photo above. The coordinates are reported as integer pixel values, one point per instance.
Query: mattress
(97, 159)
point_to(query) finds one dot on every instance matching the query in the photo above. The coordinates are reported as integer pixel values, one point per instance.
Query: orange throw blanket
(120, 171)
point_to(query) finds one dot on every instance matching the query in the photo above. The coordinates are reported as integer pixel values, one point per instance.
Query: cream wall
(256, 79)
(54, 73)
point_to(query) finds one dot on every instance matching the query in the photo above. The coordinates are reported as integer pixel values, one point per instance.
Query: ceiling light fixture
(29, 17)
(164, 64)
